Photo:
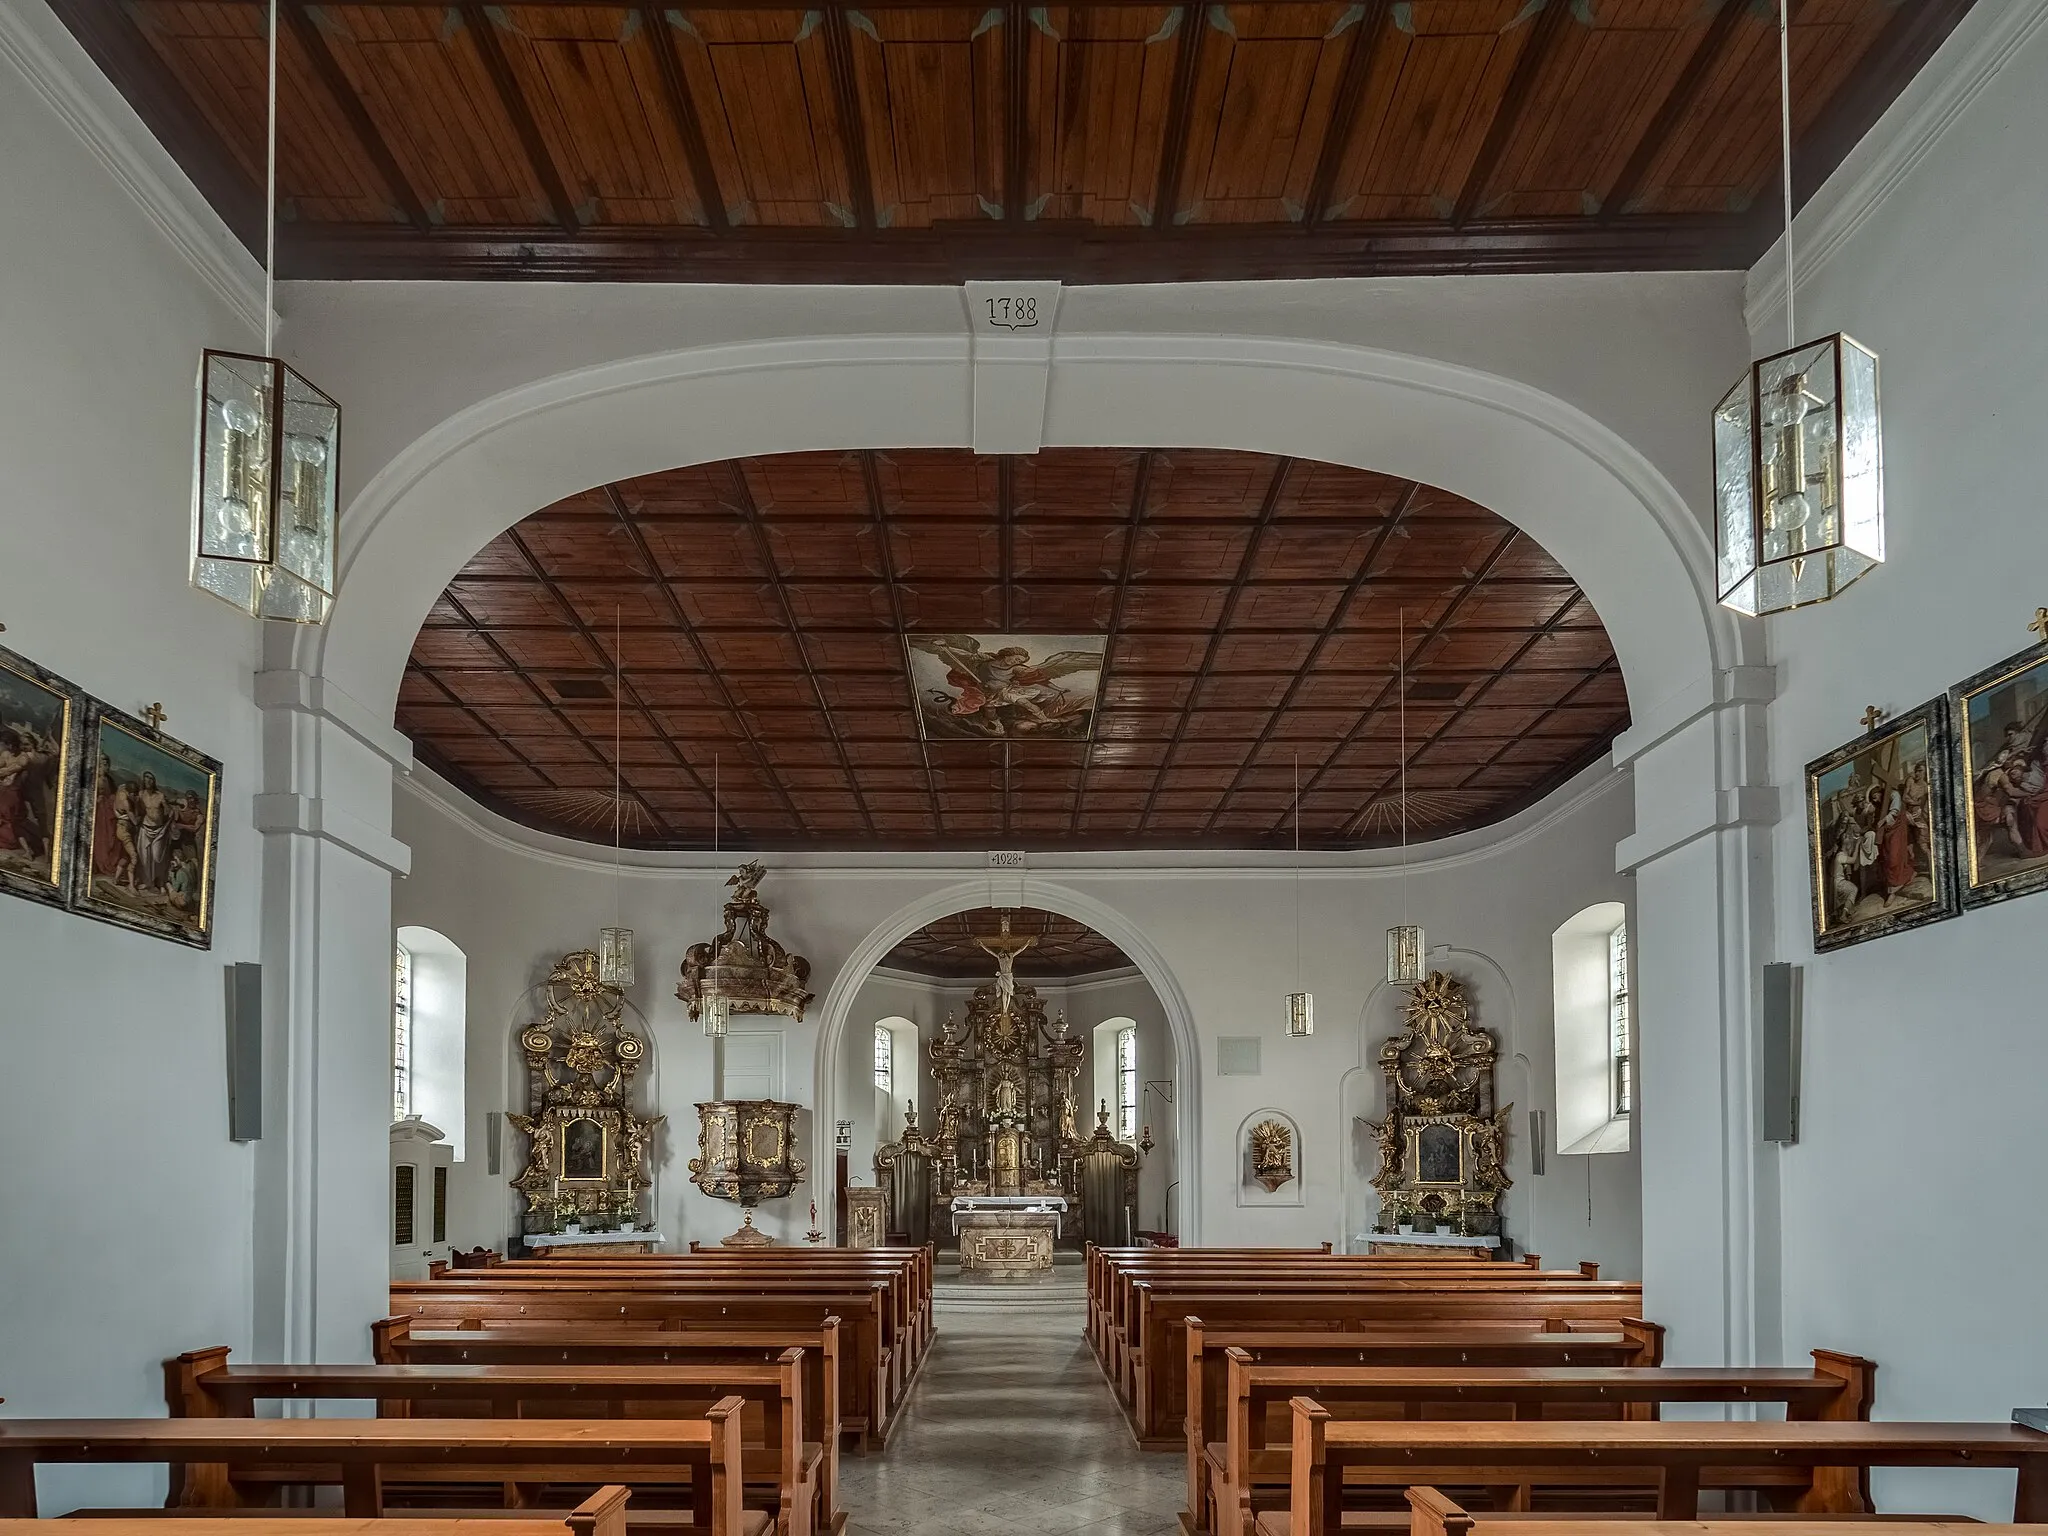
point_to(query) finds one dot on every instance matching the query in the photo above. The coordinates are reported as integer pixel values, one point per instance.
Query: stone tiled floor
(1011, 1427)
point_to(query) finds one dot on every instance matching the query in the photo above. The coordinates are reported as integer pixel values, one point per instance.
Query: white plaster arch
(1047, 896)
(1593, 501)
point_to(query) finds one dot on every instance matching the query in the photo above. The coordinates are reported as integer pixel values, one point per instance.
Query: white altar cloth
(1054, 1206)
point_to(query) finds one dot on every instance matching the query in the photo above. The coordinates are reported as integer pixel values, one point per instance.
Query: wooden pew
(602, 1514)
(1114, 1324)
(869, 1385)
(798, 1473)
(394, 1341)
(1235, 1475)
(884, 1294)
(1124, 1325)
(1100, 1262)
(702, 1455)
(1209, 1351)
(1431, 1514)
(912, 1267)
(1789, 1463)
(1154, 1385)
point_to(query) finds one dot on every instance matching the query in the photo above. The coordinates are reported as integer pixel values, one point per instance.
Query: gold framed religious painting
(39, 733)
(2001, 778)
(1880, 817)
(148, 829)
(992, 687)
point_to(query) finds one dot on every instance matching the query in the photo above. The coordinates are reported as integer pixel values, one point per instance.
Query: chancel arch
(1608, 515)
(942, 955)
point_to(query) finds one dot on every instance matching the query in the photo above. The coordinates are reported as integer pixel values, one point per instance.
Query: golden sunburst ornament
(584, 807)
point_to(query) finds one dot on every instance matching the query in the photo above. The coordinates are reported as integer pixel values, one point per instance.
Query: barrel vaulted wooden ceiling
(1256, 611)
(1060, 947)
(915, 140)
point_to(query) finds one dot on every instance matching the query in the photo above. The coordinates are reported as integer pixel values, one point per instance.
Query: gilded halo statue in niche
(1443, 1144)
(586, 1148)
(1272, 1144)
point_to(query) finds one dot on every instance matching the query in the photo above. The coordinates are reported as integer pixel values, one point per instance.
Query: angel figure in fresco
(1001, 692)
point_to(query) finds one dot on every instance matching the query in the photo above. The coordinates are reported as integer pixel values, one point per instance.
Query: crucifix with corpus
(1004, 950)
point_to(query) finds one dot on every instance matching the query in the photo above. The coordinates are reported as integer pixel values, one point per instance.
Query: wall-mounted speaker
(1539, 1140)
(245, 1052)
(493, 1125)
(1778, 1079)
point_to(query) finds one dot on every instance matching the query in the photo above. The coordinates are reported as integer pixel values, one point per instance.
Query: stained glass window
(1127, 1084)
(885, 1059)
(401, 1035)
(1620, 1070)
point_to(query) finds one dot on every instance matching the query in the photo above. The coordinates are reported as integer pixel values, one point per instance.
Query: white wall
(128, 1212)
(1912, 1232)
(514, 908)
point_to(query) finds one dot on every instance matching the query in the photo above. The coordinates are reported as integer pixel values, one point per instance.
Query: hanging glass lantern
(263, 489)
(1799, 477)
(1301, 1013)
(615, 957)
(715, 1009)
(1404, 955)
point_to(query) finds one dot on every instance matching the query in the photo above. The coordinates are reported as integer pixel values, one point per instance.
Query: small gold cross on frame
(155, 716)
(1872, 717)
(2040, 624)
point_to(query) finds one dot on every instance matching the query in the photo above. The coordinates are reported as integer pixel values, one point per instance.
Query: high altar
(1005, 1161)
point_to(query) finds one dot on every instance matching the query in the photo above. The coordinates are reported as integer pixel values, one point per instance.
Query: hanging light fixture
(1404, 941)
(267, 449)
(1301, 1006)
(615, 944)
(1798, 451)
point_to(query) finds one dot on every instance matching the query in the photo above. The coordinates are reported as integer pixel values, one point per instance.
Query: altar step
(1066, 1284)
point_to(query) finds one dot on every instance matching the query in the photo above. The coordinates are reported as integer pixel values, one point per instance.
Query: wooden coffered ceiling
(1060, 947)
(742, 140)
(1254, 609)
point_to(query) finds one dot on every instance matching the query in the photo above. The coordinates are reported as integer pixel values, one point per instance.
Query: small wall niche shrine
(586, 1147)
(1443, 1143)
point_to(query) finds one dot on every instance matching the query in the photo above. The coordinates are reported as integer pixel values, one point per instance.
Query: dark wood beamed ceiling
(1256, 613)
(1060, 948)
(924, 141)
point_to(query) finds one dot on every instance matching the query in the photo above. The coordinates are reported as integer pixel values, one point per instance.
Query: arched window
(429, 1033)
(1115, 1043)
(1594, 1031)
(885, 1059)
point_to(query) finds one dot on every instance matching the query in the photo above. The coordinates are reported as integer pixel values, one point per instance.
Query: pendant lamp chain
(1785, 154)
(270, 202)
(1404, 940)
(713, 1007)
(268, 447)
(615, 944)
(1301, 1005)
(1798, 447)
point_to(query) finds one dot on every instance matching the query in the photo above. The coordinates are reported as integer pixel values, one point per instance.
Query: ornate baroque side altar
(586, 1147)
(1443, 1143)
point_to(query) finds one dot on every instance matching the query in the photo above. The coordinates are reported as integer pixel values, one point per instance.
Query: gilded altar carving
(1272, 1144)
(1443, 1144)
(586, 1148)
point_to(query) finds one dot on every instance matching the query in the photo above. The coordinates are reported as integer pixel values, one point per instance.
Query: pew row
(874, 1374)
(602, 1514)
(1239, 1474)
(1152, 1381)
(700, 1459)
(787, 1465)
(1805, 1466)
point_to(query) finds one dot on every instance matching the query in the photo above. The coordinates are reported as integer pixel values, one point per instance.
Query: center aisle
(1011, 1428)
